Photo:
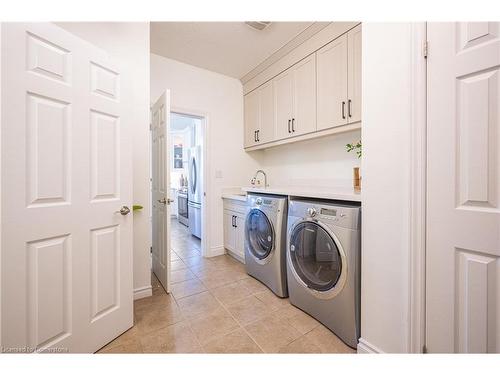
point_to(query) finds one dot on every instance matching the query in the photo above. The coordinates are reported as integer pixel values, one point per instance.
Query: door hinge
(426, 49)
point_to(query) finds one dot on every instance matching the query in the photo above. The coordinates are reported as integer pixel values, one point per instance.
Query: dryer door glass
(259, 234)
(315, 256)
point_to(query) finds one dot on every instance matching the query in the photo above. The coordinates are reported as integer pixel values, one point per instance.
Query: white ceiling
(230, 48)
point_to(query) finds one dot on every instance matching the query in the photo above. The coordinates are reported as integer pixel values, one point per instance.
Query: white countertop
(342, 194)
(237, 197)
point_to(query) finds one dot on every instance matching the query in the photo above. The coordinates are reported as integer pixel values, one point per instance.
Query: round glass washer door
(259, 234)
(315, 256)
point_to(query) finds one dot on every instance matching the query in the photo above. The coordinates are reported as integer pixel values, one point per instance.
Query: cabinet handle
(289, 126)
(258, 133)
(343, 110)
(349, 108)
(255, 136)
(235, 222)
(293, 125)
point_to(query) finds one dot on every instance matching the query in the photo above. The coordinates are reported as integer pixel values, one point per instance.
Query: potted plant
(357, 148)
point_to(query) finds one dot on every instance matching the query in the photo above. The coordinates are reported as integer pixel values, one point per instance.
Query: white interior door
(66, 171)
(463, 209)
(160, 118)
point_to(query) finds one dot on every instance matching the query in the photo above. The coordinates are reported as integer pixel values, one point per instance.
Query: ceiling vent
(258, 25)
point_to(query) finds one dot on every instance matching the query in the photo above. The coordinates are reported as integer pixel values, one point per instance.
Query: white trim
(417, 209)
(216, 251)
(364, 347)
(145, 291)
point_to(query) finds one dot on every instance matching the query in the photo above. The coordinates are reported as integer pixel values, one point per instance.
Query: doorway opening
(187, 192)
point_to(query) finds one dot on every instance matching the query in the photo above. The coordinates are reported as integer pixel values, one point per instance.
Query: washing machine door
(259, 234)
(317, 259)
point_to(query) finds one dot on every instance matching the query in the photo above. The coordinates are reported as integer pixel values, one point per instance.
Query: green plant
(357, 147)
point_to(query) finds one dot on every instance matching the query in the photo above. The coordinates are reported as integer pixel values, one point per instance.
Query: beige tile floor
(215, 307)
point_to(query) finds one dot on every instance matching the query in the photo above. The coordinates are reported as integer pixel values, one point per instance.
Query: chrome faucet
(254, 179)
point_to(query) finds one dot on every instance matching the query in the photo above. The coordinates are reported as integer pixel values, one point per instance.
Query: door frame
(418, 191)
(205, 250)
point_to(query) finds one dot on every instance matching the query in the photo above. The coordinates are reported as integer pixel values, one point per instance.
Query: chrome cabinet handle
(349, 108)
(343, 110)
(289, 126)
(255, 135)
(293, 125)
(258, 135)
(124, 210)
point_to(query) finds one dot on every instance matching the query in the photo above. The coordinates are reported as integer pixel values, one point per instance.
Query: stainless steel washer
(323, 263)
(265, 240)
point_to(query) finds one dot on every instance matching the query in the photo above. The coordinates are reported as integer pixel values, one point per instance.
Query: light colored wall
(386, 68)
(221, 99)
(129, 41)
(322, 162)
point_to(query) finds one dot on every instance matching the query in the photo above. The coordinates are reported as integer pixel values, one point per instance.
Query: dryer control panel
(339, 215)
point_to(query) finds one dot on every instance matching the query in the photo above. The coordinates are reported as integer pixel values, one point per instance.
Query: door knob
(124, 210)
(163, 200)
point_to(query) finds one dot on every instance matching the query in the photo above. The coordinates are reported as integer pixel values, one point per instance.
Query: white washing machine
(265, 240)
(323, 263)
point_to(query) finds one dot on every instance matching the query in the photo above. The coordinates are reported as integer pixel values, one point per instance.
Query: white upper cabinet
(295, 99)
(339, 81)
(283, 99)
(266, 131)
(354, 70)
(259, 115)
(304, 96)
(332, 84)
(318, 95)
(252, 117)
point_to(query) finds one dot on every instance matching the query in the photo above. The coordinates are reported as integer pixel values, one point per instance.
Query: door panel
(267, 113)
(354, 74)
(304, 93)
(332, 84)
(66, 252)
(252, 117)
(463, 216)
(283, 99)
(160, 115)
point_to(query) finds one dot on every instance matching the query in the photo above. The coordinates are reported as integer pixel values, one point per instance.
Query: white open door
(66, 174)
(463, 210)
(160, 120)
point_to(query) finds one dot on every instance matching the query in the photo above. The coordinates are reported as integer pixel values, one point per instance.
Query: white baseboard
(364, 347)
(145, 291)
(215, 251)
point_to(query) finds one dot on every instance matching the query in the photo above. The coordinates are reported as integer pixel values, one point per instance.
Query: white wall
(323, 162)
(386, 83)
(221, 99)
(129, 41)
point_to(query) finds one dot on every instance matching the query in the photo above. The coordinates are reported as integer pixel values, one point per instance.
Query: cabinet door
(252, 117)
(304, 96)
(229, 232)
(283, 103)
(354, 69)
(267, 115)
(240, 236)
(332, 84)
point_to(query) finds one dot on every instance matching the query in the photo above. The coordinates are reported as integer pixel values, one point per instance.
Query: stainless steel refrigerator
(195, 194)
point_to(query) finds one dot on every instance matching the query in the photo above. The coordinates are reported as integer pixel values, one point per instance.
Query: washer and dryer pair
(308, 250)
